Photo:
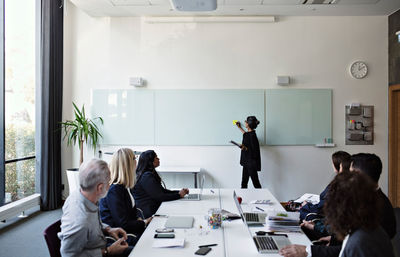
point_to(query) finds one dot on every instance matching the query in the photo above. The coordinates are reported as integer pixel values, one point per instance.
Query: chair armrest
(113, 239)
(313, 215)
(140, 213)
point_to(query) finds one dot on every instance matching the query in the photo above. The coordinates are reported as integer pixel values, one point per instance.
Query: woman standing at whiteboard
(250, 157)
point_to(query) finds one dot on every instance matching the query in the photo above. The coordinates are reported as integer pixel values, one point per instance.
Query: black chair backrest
(52, 240)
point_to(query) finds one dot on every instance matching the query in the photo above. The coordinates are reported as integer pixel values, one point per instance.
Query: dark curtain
(49, 154)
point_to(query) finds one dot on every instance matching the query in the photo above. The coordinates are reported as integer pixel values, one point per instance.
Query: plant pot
(73, 179)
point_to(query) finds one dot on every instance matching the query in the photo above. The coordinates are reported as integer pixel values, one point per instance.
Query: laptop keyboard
(265, 243)
(192, 196)
(251, 216)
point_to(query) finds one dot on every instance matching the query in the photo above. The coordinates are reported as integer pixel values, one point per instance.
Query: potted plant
(82, 130)
(85, 131)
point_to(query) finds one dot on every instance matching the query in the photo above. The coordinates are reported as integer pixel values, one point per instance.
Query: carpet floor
(23, 237)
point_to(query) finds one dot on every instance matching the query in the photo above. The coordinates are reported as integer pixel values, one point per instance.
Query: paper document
(312, 198)
(261, 202)
(173, 242)
(283, 221)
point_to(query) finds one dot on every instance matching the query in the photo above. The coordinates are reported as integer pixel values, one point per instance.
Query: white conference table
(233, 238)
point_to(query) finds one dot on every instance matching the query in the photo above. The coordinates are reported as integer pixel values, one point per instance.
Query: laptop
(195, 197)
(269, 243)
(250, 218)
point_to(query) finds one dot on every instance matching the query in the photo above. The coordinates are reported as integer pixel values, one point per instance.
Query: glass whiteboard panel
(128, 116)
(204, 117)
(298, 116)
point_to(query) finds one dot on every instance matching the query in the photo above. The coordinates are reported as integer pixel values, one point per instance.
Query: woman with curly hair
(250, 157)
(352, 211)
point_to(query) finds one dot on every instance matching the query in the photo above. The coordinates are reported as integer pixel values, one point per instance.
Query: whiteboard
(204, 117)
(128, 116)
(298, 116)
(176, 117)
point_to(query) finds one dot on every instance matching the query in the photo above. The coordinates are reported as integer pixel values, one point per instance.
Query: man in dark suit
(371, 165)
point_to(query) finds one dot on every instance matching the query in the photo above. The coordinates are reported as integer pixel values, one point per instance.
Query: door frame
(394, 186)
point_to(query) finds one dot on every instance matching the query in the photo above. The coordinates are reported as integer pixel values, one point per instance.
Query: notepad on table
(166, 243)
(312, 198)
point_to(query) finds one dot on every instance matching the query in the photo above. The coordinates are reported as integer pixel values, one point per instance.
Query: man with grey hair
(82, 232)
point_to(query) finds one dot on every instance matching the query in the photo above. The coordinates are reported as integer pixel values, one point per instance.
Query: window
(19, 98)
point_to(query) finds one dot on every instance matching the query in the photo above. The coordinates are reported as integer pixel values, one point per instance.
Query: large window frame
(3, 161)
(2, 109)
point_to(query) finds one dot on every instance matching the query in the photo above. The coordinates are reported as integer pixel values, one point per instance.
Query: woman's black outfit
(250, 159)
(149, 193)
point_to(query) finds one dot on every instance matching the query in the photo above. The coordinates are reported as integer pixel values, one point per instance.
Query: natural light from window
(20, 31)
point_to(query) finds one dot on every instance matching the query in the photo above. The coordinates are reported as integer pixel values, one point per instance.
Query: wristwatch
(105, 252)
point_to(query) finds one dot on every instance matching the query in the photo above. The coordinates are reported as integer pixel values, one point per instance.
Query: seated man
(371, 165)
(82, 233)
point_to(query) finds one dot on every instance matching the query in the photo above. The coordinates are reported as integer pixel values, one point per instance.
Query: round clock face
(359, 70)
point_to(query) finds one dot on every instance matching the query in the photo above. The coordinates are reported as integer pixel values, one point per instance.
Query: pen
(212, 191)
(200, 246)
(160, 215)
(258, 208)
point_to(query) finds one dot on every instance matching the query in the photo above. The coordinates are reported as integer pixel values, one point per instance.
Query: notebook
(179, 222)
(250, 218)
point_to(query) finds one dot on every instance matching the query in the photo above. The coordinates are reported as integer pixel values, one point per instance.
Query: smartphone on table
(203, 250)
(164, 236)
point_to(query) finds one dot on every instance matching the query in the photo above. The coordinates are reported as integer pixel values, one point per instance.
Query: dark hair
(367, 163)
(145, 164)
(341, 157)
(252, 122)
(352, 203)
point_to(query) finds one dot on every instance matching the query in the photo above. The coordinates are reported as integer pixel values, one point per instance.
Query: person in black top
(118, 207)
(149, 191)
(308, 212)
(371, 165)
(250, 157)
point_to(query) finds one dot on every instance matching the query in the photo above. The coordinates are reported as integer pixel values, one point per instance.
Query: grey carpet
(23, 237)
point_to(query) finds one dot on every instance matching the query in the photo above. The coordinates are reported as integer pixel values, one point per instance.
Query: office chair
(52, 240)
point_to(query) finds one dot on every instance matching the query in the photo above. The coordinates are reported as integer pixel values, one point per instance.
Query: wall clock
(359, 69)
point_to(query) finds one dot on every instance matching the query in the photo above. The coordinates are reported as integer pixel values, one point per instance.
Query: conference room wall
(314, 51)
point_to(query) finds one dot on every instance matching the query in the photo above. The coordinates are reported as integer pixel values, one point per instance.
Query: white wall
(314, 51)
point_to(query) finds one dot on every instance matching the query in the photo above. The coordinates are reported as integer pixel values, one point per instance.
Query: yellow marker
(234, 122)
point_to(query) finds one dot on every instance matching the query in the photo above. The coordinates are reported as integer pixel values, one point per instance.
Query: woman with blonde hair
(117, 208)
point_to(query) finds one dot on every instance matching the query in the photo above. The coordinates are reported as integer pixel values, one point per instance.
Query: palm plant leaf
(82, 129)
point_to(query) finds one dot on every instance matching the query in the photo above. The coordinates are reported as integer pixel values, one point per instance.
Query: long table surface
(233, 238)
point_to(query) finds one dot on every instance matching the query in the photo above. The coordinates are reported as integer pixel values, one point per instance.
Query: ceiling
(123, 8)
